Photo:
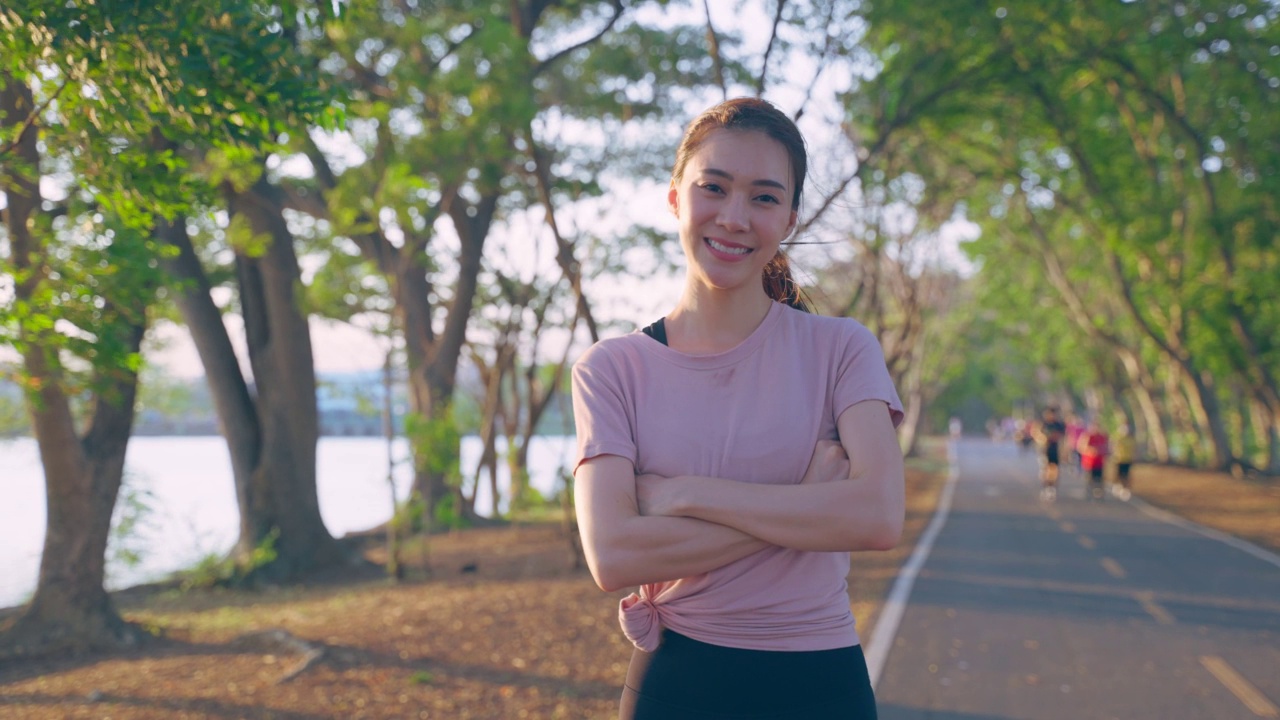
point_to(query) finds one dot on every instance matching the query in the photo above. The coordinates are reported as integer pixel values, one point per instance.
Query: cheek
(779, 225)
(695, 214)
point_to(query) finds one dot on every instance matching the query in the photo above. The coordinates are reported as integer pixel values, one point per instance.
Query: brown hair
(747, 113)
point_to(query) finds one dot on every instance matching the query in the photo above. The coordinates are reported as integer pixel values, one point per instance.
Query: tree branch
(30, 120)
(713, 46)
(618, 9)
(768, 50)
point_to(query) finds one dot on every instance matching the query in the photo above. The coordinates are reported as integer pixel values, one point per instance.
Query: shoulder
(611, 354)
(844, 340)
(825, 326)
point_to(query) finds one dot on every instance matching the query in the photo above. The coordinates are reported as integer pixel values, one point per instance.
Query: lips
(726, 250)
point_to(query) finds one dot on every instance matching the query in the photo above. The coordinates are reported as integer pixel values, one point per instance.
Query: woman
(731, 456)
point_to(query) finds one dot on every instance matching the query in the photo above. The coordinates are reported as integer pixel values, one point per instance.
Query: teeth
(726, 249)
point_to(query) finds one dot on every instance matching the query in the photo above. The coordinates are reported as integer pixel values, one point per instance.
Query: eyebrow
(763, 181)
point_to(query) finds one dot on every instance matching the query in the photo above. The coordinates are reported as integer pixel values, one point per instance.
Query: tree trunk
(913, 397)
(1181, 419)
(433, 361)
(70, 608)
(1141, 384)
(521, 417)
(232, 400)
(1235, 420)
(1202, 400)
(1267, 427)
(280, 506)
(492, 376)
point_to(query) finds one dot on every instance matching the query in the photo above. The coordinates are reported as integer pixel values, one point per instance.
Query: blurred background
(272, 272)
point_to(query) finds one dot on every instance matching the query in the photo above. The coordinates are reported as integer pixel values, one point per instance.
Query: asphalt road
(1078, 609)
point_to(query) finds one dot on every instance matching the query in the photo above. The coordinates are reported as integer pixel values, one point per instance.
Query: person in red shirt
(1093, 446)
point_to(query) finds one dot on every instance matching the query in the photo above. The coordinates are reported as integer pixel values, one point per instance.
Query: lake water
(185, 482)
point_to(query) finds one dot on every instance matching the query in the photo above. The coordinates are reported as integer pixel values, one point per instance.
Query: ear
(791, 223)
(673, 200)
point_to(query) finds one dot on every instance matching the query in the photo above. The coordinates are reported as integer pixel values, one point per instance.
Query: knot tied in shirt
(641, 621)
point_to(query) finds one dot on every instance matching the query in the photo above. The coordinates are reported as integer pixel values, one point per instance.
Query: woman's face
(734, 207)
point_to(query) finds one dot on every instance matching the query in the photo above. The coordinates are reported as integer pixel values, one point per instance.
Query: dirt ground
(1244, 507)
(503, 627)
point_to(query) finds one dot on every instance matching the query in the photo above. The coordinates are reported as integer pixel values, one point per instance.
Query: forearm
(642, 550)
(863, 513)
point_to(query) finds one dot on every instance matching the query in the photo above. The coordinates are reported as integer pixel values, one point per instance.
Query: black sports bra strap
(657, 331)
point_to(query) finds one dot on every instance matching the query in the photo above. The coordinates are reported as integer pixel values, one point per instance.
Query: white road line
(1086, 542)
(1244, 691)
(1113, 568)
(1147, 600)
(877, 648)
(1235, 542)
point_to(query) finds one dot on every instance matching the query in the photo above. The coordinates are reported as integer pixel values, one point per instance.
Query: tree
(271, 427)
(85, 92)
(446, 106)
(1123, 137)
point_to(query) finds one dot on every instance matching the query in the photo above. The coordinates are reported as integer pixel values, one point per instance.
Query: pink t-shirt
(752, 414)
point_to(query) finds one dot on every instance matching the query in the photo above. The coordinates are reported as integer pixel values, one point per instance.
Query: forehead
(745, 154)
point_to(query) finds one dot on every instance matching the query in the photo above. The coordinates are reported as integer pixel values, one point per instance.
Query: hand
(829, 463)
(657, 495)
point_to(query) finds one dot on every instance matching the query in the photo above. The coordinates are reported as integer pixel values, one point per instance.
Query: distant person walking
(1123, 453)
(1092, 446)
(1070, 446)
(1024, 434)
(1049, 435)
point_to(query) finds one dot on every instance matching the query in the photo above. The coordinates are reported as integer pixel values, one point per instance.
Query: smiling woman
(732, 454)
(733, 201)
(744, 172)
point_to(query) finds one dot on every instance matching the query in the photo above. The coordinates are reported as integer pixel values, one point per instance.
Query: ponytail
(780, 286)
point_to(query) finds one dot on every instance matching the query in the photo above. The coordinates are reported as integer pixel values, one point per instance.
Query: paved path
(1078, 609)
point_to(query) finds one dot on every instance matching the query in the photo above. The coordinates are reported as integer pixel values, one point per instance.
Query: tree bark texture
(280, 497)
(232, 400)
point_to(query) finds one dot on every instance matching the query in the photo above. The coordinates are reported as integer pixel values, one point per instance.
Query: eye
(712, 187)
(769, 199)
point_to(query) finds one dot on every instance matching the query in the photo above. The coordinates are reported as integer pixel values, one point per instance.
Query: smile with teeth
(727, 249)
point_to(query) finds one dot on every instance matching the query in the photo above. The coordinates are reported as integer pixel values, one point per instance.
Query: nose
(733, 215)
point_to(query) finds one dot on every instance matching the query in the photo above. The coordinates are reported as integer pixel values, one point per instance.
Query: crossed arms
(648, 529)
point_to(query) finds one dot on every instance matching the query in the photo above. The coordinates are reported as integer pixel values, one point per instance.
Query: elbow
(606, 570)
(609, 585)
(606, 579)
(882, 530)
(885, 536)
(888, 533)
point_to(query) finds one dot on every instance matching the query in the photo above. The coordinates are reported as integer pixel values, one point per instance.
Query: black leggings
(689, 680)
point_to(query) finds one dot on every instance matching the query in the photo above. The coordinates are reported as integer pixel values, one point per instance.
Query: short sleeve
(861, 374)
(601, 414)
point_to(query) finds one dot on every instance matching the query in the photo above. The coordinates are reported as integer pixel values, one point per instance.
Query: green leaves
(128, 97)
(112, 77)
(1113, 162)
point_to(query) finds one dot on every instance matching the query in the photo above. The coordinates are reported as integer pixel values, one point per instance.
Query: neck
(707, 321)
